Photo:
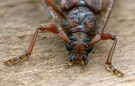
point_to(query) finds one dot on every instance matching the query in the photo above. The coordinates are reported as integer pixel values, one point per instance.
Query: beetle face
(79, 49)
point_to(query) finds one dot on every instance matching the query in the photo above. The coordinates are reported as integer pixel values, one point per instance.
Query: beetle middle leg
(50, 27)
(50, 3)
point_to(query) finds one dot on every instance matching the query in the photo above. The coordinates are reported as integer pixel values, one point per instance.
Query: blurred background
(46, 67)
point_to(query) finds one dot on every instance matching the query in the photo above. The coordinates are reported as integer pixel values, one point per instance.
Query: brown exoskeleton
(80, 31)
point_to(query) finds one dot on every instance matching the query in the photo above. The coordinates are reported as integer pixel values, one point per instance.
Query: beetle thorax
(81, 19)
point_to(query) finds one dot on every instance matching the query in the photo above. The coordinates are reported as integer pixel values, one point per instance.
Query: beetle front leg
(27, 54)
(106, 36)
(110, 67)
(50, 27)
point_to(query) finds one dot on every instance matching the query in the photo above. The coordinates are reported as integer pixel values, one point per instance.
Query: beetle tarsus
(114, 71)
(16, 59)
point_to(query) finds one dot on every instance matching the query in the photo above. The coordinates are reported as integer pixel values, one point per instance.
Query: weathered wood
(46, 67)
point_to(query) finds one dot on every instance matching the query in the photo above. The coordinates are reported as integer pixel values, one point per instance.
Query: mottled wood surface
(46, 67)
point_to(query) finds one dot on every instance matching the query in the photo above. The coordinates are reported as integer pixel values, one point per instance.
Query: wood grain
(46, 67)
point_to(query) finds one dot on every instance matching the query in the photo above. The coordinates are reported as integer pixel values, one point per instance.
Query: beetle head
(79, 50)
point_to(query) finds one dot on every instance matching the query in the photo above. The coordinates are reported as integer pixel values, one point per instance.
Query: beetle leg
(27, 54)
(49, 2)
(110, 67)
(50, 27)
(106, 36)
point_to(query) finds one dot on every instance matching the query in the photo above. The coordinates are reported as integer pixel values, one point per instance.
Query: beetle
(80, 29)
